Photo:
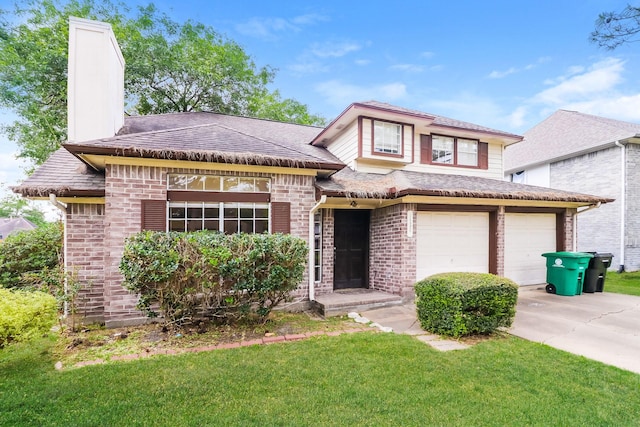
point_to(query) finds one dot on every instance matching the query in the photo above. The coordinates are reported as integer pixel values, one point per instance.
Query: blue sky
(502, 64)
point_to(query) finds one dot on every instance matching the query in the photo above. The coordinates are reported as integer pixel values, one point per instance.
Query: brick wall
(326, 283)
(84, 238)
(392, 264)
(598, 174)
(125, 187)
(632, 214)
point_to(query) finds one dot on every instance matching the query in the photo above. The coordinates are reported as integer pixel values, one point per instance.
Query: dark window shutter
(280, 217)
(483, 155)
(154, 215)
(425, 149)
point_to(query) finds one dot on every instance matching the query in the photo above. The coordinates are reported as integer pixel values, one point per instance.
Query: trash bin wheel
(551, 289)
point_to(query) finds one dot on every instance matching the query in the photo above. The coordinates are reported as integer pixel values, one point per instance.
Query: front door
(351, 254)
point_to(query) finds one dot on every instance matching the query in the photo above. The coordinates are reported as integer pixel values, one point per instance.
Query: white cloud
(362, 62)
(334, 49)
(427, 55)
(599, 78)
(621, 107)
(270, 28)
(340, 94)
(308, 66)
(512, 70)
(410, 68)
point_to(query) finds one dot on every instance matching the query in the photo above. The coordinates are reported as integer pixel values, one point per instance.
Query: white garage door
(526, 237)
(452, 241)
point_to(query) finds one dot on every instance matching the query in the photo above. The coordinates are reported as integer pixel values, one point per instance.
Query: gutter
(63, 208)
(623, 192)
(312, 270)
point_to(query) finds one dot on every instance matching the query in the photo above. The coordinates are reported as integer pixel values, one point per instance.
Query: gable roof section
(383, 110)
(63, 175)
(214, 138)
(399, 183)
(13, 225)
(566, 134)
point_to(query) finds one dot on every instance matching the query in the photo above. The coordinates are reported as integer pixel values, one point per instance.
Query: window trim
(426, 152)
(400, 153)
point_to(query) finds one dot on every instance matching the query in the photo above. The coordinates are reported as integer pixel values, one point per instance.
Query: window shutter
(154, 215)
(425, 149)
(483, 155)
(280, 217)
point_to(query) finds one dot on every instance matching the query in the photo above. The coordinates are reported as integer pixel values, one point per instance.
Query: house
(13, 225)
(573, 151)
(383, 195)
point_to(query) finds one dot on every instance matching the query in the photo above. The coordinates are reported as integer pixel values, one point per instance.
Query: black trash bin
(597, 272)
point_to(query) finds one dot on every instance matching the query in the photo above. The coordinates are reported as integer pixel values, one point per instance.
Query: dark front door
(351, 257)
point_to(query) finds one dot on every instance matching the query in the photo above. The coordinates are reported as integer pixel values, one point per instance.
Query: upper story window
(219, 183)
(454, 151)
(387, 138)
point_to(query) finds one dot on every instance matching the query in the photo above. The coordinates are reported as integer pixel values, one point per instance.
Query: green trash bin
(566, 272)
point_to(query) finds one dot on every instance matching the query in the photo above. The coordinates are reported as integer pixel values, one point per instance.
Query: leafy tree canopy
(616, 28)
(171, 67)
(17, 207)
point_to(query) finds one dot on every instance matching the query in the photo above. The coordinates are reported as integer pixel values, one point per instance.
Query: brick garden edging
(259, 341)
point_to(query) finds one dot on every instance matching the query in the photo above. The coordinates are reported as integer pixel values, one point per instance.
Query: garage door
(526, 237)
(452, 241)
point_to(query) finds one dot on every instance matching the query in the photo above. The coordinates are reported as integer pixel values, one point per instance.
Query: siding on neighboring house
(632, 256)
(595, 173)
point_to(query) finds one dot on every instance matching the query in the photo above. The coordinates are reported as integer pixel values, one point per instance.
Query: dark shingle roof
(348, 183)
(63, 174)
(214, 137)
(566, 134)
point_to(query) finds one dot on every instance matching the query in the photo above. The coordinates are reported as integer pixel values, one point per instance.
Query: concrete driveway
(600, 326)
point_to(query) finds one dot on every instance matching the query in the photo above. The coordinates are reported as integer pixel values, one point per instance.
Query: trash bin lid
(568, 255)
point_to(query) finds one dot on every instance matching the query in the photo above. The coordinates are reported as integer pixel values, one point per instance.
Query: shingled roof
(399, 183)
(563, 135)
(63, 175)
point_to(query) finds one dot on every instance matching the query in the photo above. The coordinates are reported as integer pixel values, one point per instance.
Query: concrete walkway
(402, 319)
(601, 326)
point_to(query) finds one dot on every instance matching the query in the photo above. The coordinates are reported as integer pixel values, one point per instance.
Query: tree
(171, 67)
(616, 28)
(17, 207)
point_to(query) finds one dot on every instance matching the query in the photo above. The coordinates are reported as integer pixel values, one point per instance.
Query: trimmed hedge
(459, 304)
(207, 274)
(30, 252)
(25, 315)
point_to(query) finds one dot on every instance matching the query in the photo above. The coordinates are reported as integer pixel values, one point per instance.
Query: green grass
(623, 283)
(358, 379)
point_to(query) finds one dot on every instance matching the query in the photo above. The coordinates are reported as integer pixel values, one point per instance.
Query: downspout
(63, 208)
(623, 192)
(312, 270)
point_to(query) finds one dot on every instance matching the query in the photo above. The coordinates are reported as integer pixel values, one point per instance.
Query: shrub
(25, 315)
(212, 275)
(34, 251)
(458, 304)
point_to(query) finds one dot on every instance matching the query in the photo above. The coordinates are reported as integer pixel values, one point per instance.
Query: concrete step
(339, 303)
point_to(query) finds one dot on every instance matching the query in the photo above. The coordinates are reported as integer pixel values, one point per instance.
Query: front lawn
(623, 283)
(355, 379)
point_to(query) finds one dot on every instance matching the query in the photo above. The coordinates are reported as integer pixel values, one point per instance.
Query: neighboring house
(13, 225)
(383, 195)
(595, 155)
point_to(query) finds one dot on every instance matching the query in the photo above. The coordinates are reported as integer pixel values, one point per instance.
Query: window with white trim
(387, 137)
(448, 150)
(190, 209)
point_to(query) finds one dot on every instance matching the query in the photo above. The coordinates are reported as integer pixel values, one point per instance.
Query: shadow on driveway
(601, 326)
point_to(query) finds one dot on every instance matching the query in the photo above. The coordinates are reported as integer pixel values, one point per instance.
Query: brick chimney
(95, 91)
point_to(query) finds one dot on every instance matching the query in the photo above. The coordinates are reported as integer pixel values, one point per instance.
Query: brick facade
(84, 256)
(632, 211)
(600, 174)
(392, 263)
